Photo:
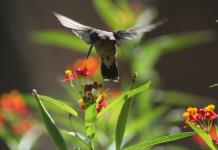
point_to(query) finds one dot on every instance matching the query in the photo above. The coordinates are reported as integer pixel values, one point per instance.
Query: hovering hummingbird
(104, 42)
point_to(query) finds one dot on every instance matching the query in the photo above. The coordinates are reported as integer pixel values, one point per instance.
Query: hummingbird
(105, 42)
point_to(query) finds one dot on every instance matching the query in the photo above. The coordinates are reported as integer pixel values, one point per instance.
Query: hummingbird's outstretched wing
(121, 35)
(78, 29)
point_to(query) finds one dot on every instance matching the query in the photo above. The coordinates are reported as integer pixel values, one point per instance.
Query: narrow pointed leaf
(124, 97)
(207, 139)
(79, 136)
(60, 104)
(122, 120)
(160, 140)
(121, 123)
(90, 121)
(50, 125)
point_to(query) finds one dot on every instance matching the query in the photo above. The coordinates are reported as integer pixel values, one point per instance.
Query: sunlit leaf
(61, 39)
(122, 119)
(160, 140)
(207, 139)
(121, 123)
(90, 121)
(85, 140)
(110, 13)
(60, 104)
(50, 125)
(125, 96)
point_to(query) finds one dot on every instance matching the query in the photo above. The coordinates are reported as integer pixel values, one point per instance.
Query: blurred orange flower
(92, 64)
(21, 127)
(1, 120)
(13, 102)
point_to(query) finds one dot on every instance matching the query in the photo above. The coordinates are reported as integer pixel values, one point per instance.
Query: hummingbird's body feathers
(106, 49)
(104, 42)
(111, 72)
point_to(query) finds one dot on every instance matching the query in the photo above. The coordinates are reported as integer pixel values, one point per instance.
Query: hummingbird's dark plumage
(105, 42)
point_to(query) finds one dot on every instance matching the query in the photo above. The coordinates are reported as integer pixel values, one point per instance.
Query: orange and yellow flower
(102, 103)
(91, 95)
(68, 75)
(203, 118)
(209, 108)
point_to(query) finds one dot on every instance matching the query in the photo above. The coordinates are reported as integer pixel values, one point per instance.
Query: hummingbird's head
(94, 37)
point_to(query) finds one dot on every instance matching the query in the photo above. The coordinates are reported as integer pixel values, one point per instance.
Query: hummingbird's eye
(94, 37)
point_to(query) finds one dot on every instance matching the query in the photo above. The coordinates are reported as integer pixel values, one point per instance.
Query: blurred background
(189, 38)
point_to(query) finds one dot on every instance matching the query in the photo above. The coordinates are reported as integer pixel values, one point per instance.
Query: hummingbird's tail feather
(109, 73)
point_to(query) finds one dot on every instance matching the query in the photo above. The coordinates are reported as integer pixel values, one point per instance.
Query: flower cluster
(102, 103)
(90, 92)
(203, 118)
(13, 102)
(82, 68)
(13, 110)
(92, 95)
(70, 75)
(92, 64)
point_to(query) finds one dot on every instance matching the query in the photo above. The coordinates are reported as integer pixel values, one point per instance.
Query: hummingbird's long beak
(90, 49)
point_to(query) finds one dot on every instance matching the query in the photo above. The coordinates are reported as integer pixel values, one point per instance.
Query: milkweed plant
(92, 106)
(133, 115)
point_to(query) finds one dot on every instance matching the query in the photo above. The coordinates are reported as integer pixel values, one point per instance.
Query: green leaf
(121, 123)
(153, 49)
(61, 39)
(145, 121)
(60, 104)
(207, 139)
(125, 96)
(90, 121)
(85, 140)
(50, 125)
(171, 97)
(160, 140)
(107, 11)
(122, 120)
